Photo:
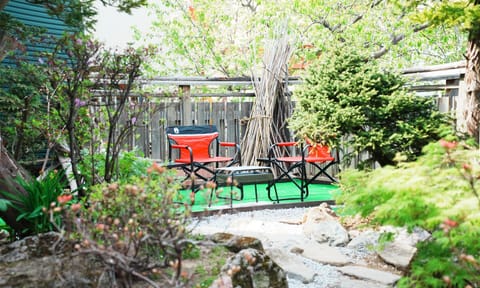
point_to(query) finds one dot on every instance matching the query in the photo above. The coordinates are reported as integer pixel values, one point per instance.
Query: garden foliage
(137, 229)
(32, 205)
(22, 110)
(438, 192)
(347, 100)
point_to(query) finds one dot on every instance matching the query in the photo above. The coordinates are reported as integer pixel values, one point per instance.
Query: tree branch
(250, 4)
(396, 39)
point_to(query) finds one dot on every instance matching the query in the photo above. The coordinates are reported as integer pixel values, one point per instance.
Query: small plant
(32, 205)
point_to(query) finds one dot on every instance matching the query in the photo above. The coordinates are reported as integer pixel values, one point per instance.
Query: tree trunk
(9, 170)
(468, 112)
(3, 3)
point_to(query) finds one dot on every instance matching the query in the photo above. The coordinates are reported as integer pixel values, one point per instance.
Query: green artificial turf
(317, 192)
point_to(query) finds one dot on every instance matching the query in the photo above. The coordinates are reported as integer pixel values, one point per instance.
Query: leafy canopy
(462, 13)
(347, 100)
(226, 38)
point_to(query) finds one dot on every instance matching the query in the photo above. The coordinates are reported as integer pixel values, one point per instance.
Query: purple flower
(40, 60)
(79, 103)
(78, 41)
(134, 119)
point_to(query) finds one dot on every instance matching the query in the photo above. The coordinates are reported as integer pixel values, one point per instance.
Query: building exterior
(34, 15)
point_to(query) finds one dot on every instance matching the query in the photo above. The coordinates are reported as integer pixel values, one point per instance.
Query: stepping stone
(370, 274)
(323, 253)
(292, 264)
(398, 254)
(346, 282)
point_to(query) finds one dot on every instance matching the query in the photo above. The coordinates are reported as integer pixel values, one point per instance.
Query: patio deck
(318, 193)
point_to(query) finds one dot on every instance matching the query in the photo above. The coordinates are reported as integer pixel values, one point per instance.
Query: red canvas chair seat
(198, 147)
(317, 155)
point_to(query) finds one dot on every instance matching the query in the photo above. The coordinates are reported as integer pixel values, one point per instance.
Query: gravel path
(327, 276)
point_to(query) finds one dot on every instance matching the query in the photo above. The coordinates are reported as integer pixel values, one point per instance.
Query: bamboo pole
(267, 121)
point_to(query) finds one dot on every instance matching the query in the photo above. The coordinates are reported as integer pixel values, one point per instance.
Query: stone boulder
(251, 268)
(46, 260)
(321, 224)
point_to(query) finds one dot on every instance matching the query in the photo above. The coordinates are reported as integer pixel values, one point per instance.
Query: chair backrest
(198, 138)
(318, 151)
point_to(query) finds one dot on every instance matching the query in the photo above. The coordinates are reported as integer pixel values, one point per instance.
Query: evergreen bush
(348, 101)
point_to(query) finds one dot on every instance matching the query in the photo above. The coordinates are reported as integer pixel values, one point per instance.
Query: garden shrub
(348, 101)
(437, 192)
(130, 164)
(136, 228)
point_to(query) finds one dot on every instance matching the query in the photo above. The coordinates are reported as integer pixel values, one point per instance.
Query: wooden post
(451, 93)
(187, 105)
(459, 105)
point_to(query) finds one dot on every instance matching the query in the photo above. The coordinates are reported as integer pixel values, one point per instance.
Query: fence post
(187, 105)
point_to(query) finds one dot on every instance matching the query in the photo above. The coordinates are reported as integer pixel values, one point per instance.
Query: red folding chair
(315, 154)
(198, 151)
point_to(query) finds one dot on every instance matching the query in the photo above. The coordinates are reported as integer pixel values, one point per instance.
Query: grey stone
(292, 264)
(365, 242)
(321, 225)
(251, 268)
(347, 282)
(397, 254)
(370, 274)
(323, 253)
(402, 234)
(31, 262)
(223, 281)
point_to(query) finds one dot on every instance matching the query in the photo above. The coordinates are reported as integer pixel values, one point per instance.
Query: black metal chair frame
(297, 162)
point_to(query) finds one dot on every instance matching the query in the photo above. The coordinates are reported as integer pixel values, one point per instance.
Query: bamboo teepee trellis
(272, 107)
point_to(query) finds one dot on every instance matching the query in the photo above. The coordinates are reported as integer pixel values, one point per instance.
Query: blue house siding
(36, 16)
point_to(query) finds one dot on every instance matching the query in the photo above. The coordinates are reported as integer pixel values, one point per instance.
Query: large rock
(32, 247)
(348, 282)
(46, 261)
(251, 268)
(321, 224)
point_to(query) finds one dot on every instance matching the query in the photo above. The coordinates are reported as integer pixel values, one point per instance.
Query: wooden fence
(150, 136)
